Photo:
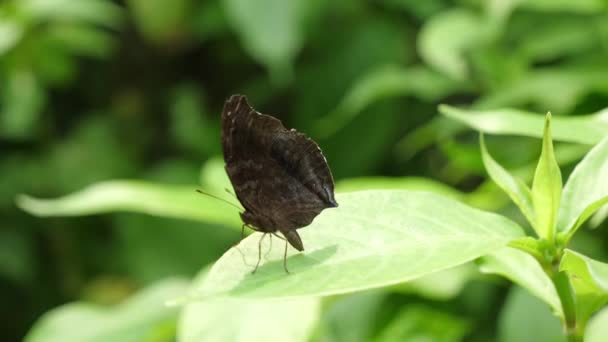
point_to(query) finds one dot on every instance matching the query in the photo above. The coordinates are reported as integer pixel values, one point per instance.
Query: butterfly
(279, 175)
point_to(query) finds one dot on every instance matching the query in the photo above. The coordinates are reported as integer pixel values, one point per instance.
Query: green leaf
(524, 318)
(445, 38)
(135, 196)
(589, 278)
(271, 31)
(397, 183)
(597, 330)
(159, 20)
(386, 82)
(10, 33)
(214, 320)
(422, 323)
(584, 129)
(546, 187)
(586, 190)
(142, 317)
(340, 322)
(441, 285)
(524, 270)
(519, 192)
(583, 6)
(22, 100)
(97, 12)
(363, 244)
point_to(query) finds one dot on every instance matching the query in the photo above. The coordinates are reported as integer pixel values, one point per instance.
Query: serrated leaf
(363, 244)
(519, 192)
(135, 196)
(584, 129)
(586, 190)
(546, 187)
(142, 317)
(524, 270)
(214, 320)
(589, 278)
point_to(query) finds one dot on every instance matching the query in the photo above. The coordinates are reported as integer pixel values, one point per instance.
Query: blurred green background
(93, 90)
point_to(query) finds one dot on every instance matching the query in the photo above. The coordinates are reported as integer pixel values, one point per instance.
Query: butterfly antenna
(218, 198)
(230, 192)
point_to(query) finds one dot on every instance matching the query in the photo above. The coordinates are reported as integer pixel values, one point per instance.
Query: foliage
(112, 107)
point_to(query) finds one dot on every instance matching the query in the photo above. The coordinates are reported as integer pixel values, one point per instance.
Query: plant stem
(566, 295)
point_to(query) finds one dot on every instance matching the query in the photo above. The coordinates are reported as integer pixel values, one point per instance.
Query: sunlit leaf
(398, 183)
(586, 190)
(585, 129)
(98, 12)
(216, 320)
(524, 270)
(135, 196)
(589, 278)
(445, 38)
(546, 187)
(142, 317)
(519, 192)
(597, 330)
(362, 245)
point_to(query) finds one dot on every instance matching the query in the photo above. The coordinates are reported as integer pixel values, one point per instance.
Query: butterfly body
(279, 175)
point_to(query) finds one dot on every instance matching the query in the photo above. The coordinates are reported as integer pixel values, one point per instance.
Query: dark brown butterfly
(279, 175)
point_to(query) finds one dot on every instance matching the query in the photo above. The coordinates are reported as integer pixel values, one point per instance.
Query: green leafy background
(113, 108)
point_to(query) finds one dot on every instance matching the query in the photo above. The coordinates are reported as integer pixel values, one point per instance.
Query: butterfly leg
(285, 258)
(259, 253)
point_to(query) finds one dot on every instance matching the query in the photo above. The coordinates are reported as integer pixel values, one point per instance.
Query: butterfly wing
(280, 176)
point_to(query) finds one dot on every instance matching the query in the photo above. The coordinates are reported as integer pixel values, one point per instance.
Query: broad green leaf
(584, 129)
(519, 192)
(271, 31)
(386, 82)
(546, 187)
(142, 317)
(597, 330)
(589, 278)
(524, 270)
(98, 12)
(22, 100)
(422, 323)
(135, 196)
(365, 243)
(340, 323)
(441, 285)
(234, 320)
(559, 88)
(582, 6)
(160, 20)
(525, 318)
(398, 183)
(445, 38)
(586, 190)
(10, 33)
